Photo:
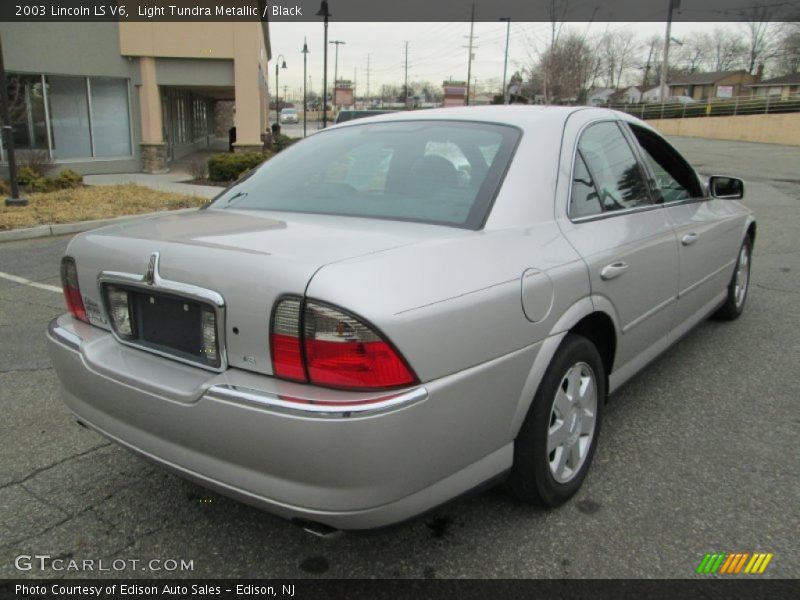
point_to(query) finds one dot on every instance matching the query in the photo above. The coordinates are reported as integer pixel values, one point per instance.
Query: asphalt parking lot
(697, 454)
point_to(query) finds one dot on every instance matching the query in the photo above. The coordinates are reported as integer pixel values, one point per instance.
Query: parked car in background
(681, 100)
(392, 312)
(289, 116)
(349, 115)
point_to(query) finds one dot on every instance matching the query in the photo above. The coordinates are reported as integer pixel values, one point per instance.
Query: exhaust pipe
(317, 529)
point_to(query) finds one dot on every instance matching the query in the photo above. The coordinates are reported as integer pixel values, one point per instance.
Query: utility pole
(336, 68)
(8, 136)
(368, 79)
(355, 84)
(325, 14)
(471, 47)
(505, 62)
(672, 4)
(405, 86)
(305, 80)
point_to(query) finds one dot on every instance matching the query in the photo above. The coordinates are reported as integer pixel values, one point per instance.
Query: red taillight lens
(341, 351)
(335, 349)
(72, 292)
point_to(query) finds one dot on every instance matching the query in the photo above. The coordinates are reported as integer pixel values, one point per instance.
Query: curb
(41, 231)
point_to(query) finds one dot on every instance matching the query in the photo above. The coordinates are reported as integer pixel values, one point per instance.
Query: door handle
(689, 239)
(613, 270)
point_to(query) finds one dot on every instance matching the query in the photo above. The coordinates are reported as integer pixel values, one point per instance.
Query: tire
(535, 475)
(737, 296)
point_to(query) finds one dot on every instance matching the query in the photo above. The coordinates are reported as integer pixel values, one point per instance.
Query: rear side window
(441, 172)
(613, 170)
(585, 199)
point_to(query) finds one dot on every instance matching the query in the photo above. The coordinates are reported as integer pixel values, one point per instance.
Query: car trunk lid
(248, 257)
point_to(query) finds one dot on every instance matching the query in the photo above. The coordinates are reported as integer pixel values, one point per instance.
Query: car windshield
(441, 172)
(288, 111)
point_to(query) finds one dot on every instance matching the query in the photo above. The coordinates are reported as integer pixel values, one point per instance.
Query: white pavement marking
(41, 286)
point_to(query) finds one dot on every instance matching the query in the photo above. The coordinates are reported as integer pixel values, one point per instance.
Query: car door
(708, 230)
(625, 240)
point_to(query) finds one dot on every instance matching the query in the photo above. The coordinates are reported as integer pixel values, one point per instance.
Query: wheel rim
(572, 422)
(742, 277)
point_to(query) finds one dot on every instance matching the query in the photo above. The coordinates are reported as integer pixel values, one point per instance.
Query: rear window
(441, 172)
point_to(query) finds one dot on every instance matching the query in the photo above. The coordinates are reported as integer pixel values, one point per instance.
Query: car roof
(522, 116)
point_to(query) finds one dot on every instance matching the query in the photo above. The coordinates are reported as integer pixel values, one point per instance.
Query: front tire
(557, 441)
(739, 284)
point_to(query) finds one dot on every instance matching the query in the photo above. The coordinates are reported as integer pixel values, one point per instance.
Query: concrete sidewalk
(165, 182)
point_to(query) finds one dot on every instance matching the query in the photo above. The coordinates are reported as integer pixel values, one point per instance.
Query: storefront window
(69, 116)
(26, 109)
(78, 129)
(110, 123)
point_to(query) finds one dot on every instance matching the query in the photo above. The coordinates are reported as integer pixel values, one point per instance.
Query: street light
(305, 79)
(278, 88)
(325, 13)
(505, 63)
(8, 137)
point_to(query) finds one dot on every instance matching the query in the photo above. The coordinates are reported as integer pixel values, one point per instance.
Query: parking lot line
(22, 280)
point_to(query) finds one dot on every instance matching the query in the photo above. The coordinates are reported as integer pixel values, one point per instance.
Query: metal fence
(756, 105)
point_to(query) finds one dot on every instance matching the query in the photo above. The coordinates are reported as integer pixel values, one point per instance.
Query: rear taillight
(72, 292)
(333, 349)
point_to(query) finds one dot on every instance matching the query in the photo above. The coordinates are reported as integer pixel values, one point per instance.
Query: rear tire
(557, 441)
(739, 284)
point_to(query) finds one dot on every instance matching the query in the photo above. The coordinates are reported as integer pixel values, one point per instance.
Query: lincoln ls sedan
(401, 309)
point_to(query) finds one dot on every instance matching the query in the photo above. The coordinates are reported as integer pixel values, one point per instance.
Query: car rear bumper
(292, 449)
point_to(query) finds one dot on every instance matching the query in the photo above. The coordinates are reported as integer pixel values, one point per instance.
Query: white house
(631, 95)
(652, 94)
(599, 96)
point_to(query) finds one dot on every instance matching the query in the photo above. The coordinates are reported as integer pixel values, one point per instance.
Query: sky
(436, 51)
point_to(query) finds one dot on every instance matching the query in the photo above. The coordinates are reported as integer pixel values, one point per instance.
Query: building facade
(123, 97)
(786, 87)
(709, 86)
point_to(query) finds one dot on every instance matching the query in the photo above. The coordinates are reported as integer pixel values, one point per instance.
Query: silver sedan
(399, 309)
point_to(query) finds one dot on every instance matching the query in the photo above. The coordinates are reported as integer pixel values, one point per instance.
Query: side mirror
(725, 188)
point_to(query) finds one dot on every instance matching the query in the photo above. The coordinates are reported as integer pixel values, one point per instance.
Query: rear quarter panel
(452, 304)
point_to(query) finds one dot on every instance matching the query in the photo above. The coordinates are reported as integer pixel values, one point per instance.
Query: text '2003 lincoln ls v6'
(400, 309)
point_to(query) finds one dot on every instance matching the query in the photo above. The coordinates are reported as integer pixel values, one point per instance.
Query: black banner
(712, 11)
(463, 589)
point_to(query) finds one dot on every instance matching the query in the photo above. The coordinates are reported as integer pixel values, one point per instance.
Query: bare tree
(727, 49)
(760, 35)
(618, 50)
(788, 54)
(652, 49)
(570, 68)
(693, 52)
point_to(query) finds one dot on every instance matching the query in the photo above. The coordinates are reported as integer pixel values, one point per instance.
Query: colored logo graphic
(734, 563)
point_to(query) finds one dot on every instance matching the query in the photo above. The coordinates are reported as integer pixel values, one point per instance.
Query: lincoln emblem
(152, 269)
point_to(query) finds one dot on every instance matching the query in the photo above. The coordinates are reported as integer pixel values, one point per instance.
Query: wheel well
(598, 328)
(751, 233)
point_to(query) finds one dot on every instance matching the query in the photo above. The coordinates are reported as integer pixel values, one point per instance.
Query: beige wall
(178, 40)
(769, 129)
(241, 41)
(150, 103)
